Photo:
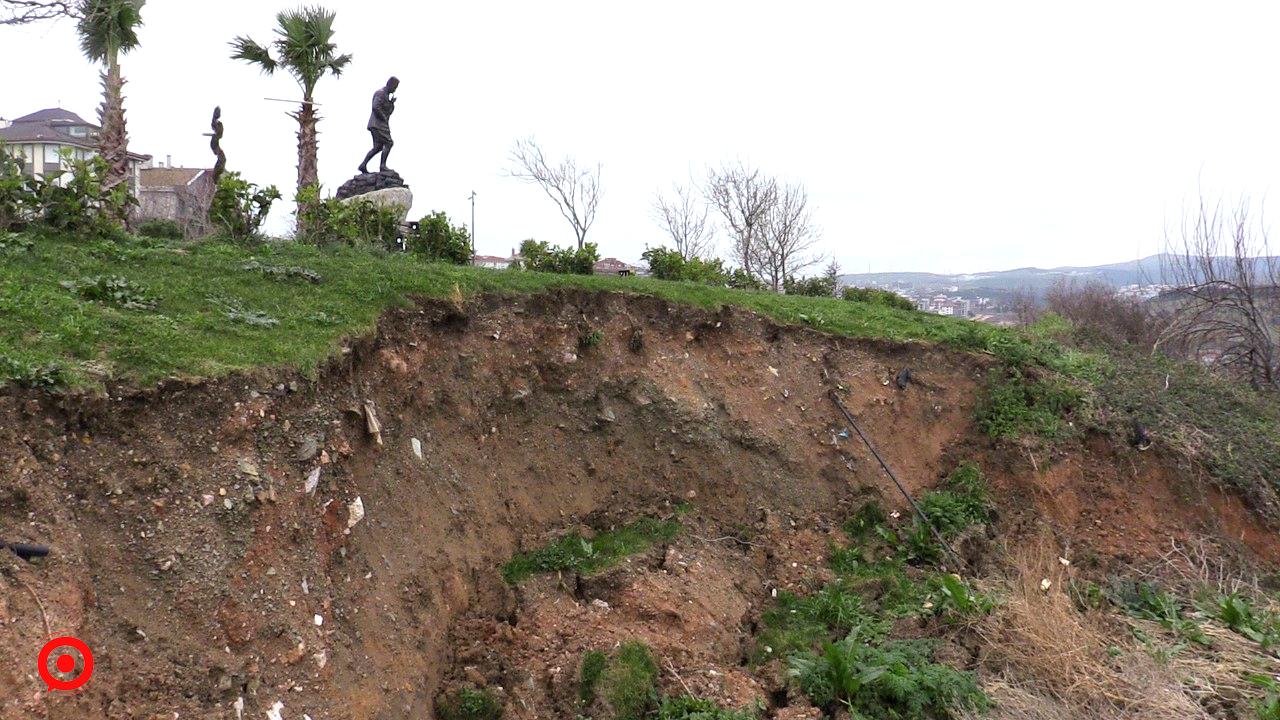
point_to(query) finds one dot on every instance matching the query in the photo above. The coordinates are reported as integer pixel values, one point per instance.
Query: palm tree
(109, 28)
(304, 46)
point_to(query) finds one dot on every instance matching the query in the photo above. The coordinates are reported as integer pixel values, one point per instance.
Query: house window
(51, 155)
(79, 131)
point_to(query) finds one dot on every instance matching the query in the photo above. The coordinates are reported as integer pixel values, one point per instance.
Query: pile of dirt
(190, 555)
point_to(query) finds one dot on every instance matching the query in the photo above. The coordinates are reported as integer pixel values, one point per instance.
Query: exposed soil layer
(189, 557)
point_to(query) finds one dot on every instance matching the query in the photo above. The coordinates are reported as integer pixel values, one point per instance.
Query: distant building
(40, 139)
(614, 266)
(179, 194)
(491, 261)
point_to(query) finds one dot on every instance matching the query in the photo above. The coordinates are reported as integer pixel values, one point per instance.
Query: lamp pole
(472, 198)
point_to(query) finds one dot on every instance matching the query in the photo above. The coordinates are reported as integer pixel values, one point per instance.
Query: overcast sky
(939, 136)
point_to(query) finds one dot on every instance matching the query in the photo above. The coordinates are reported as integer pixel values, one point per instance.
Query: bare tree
(1099, 315)
(1025, 305)
(576, 191)
(743, 197)
(1226, 293)
(22, 12)
(685, 220)
(786, 236)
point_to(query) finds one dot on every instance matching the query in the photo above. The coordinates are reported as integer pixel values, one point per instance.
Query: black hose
(26, 551)
(920, 513)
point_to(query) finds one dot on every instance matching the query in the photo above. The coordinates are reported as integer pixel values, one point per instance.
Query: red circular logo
(65, 663)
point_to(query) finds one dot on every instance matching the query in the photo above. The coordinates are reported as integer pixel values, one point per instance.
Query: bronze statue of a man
(380, 124)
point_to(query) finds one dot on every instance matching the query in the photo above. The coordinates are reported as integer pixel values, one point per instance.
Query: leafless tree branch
(1226, 294)
(787, 235)
(685, 220)
(743, 197)
(575, 191)
(22, 12)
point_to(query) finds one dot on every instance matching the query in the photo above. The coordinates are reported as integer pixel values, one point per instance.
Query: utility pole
(473, 223)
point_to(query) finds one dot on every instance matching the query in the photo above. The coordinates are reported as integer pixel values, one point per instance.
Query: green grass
(574, 553)
(629, 683)
(212, 316)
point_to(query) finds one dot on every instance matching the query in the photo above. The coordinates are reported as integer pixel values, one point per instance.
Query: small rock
(308, 449)
(607, 415)
(318, 620)
(600, 604)
(355, 512)
(417, 448)
(248, 467)
(206, 500)
(313, 479)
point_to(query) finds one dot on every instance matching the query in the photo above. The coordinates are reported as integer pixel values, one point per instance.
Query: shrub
(539, 256)
(354, 222)
(239, 207)
(18, 193)
(898, 681)
(438, 239)
(740, 279)
(820, 286)
(1098, 315)
(628, 684)
(667, 264)
(161, 229)
(75, 202)
(469, 704)
(876, 296)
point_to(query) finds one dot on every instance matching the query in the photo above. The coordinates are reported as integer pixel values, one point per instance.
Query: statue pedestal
(384, 189)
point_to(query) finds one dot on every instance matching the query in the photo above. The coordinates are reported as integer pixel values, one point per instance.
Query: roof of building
(45, 126)
(490, 259)
(49, 115)
(168, 177)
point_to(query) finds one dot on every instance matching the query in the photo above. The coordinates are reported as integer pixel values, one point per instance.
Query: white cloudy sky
(932, 135)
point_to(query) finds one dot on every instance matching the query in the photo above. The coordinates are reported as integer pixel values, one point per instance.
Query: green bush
(876, 296)
(438, 239)
(354, 222)
(898, 681)
(539, 256)
(820, 286)
(667, 264)
(75, 203)
(18, 193)
(469, 704)
(628, 684)
(161, 229)
(239, 207)
(740, 279)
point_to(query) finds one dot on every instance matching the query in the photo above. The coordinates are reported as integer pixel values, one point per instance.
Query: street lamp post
(473, 224)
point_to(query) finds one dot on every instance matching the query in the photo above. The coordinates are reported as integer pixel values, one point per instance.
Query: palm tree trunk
(113, 142)
(308, 146)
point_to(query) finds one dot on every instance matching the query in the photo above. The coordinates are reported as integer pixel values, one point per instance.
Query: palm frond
(243, 48)
(109, 27)
(338, 64)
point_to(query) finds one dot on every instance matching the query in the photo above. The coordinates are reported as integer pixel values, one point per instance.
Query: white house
(40, 138)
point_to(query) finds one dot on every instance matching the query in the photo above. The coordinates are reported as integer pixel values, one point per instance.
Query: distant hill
(1146, 271)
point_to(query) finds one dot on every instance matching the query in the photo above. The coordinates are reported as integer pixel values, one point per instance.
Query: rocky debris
(366, 183)
(307, 449)
(355, 512)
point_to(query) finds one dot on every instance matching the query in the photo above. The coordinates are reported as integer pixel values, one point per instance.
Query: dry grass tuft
(1052, 661)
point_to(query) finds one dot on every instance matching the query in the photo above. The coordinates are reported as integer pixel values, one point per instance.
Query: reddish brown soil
(191, 601)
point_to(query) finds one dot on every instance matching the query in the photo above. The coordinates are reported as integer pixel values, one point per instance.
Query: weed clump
(112, 290)
(574, 553)
(626, 684)
(469, 704)
(593, 665)
(898, 680)
(687, 707)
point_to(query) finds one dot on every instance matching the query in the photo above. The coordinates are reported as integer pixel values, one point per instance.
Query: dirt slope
(188, 556)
